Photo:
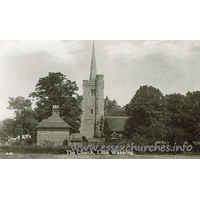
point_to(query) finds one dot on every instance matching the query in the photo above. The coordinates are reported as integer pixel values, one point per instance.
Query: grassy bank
(64, 156)
(34, 149)
(49, 149)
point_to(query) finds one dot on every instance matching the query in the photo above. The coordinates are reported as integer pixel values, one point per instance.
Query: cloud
(134, 50)
(59, 50)
(171, 66)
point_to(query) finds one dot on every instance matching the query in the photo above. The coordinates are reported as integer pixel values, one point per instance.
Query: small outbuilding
(53, 129)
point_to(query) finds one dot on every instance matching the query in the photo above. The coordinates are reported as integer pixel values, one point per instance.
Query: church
(93, 102)
(93, 116)
(56, 130)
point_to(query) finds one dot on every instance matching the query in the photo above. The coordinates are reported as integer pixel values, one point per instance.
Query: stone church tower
(93, 102)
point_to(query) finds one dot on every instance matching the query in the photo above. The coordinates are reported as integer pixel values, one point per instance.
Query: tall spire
(93, 70)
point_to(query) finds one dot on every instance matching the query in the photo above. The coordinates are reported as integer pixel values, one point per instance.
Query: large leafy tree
(7, 128)
(176, 105)
(192, 123)
(148, 115)
(179, 116)
(56, 89)
(174, 118)
(112, 108)
(185, 117)
(25, 118)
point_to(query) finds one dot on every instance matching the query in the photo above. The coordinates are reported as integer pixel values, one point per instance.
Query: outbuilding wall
(56, 137)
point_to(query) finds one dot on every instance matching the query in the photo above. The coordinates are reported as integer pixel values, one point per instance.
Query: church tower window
(91, 111)
(92, 92)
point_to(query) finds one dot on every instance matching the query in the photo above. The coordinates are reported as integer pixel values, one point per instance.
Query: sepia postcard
(102, 99)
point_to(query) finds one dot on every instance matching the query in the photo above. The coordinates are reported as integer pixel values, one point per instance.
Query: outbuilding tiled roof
(54, 121)
(116, 123)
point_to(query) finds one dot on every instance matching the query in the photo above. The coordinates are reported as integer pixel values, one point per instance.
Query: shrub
(30, 141)
(65, 142)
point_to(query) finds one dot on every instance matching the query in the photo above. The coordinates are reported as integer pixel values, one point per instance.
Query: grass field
(63, 156)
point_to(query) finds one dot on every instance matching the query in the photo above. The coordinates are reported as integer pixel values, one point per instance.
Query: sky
(171, 66)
